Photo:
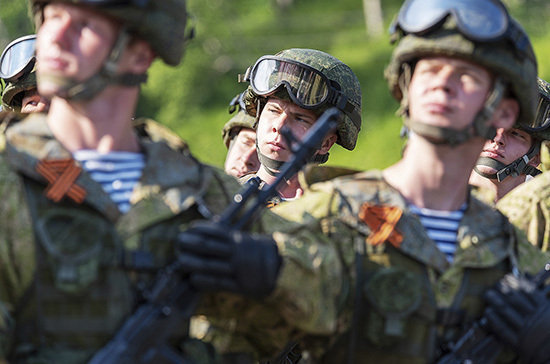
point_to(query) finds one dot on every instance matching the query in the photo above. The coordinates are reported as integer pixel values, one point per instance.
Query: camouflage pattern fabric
(313, 301)
(12, 95)
(527, 207)
(85, 257)
(545, 156)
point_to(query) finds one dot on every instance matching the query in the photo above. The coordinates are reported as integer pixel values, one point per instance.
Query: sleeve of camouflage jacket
(312, 288)
(527, 207)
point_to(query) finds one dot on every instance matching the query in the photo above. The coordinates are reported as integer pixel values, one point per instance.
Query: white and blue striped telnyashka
(117, 172)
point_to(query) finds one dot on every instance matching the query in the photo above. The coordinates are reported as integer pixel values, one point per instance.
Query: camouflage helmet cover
(337, 72)
(501, 58)
(159, 22)
(240, 120)
(12, 95)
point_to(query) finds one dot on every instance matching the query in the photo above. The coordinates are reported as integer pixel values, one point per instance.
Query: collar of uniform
(479, 245)
(172, 180)
(313, 173)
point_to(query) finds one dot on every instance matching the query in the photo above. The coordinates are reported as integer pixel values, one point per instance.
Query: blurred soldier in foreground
(90, 202)
(404, 259)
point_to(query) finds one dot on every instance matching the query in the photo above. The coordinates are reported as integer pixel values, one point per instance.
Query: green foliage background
(192, 98)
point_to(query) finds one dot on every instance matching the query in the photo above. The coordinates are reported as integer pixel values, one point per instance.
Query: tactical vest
(92, 263)
(406, 301)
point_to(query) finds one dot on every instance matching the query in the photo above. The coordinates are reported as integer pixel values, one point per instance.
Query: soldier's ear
(506, 114)
(327, 144)
(140, 55)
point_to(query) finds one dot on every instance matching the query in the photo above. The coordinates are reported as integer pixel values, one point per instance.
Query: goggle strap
(342, 102)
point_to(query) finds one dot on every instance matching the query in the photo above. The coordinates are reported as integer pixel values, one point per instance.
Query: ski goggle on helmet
(478, 20)
(542, 117)
(307, 87)
(18, 58)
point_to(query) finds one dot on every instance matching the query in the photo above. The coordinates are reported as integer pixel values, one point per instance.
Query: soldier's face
(506, 147)
(72, 44)
(241, 156)
(447, 92)
(276, 114)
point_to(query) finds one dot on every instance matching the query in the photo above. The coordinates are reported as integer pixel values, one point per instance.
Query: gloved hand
(518, 314)
(220, 259)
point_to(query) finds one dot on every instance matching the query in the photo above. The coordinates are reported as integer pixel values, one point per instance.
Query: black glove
(519, 315)
(220, 259)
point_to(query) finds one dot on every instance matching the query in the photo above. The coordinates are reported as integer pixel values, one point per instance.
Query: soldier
(406, 255)
(90, 203)
(527, 206)
(293, 88)
(17, 69)
(512, 156)
(239, 137)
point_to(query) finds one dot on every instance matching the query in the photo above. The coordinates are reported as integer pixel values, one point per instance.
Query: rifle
(170, 303)
(477, 345)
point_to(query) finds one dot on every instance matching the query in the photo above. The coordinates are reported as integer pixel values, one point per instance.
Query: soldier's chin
(50, 86)
(48, 90)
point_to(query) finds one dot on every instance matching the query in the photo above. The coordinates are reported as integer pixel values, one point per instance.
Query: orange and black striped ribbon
(61, 174)
(382, 220)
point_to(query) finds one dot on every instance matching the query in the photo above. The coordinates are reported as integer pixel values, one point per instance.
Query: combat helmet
(240, 120)
(162, 23)
(17, 71)
(12, 95)
(312, 79)
(491, 38)
(539, 133)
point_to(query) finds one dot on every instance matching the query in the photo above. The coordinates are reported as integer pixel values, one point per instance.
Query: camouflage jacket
(71, 270)
(527, 207)
(410, 298)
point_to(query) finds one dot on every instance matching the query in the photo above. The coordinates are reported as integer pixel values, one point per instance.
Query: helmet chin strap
(87, 89)
(479, 127)
(513, 169)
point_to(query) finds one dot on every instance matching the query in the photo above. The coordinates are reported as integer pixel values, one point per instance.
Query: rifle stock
(144, 336)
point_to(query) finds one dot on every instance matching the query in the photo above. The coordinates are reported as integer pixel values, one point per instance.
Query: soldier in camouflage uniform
(292, 89)
(527, 206)
(512, 157)
(406, 257)
(239, 138)
(91, 200)
(20, 93)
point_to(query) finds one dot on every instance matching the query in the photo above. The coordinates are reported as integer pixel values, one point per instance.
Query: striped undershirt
(116, 172)
(441, 226)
